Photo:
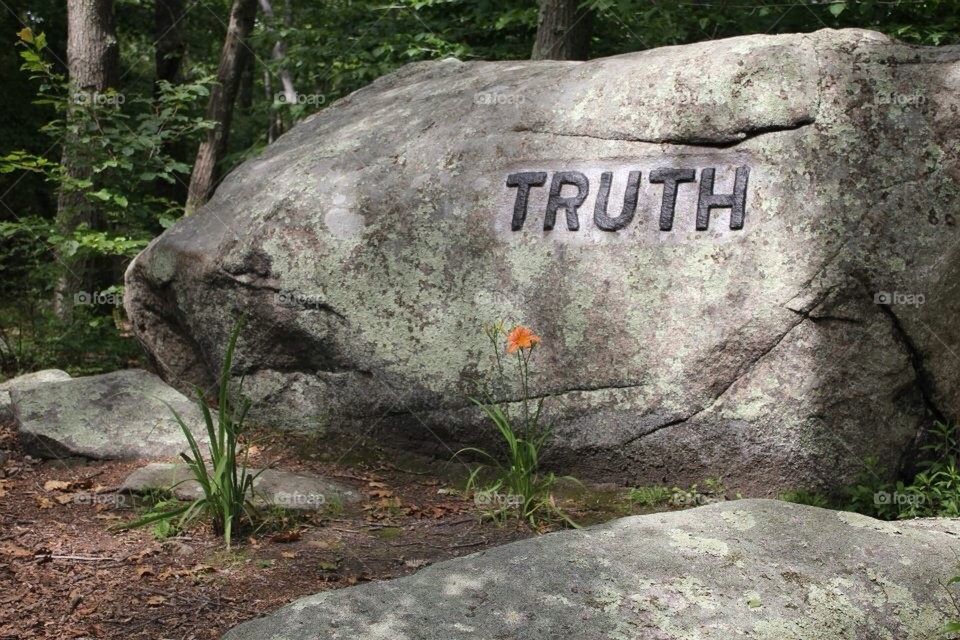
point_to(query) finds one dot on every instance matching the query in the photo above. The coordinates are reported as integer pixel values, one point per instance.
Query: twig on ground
(77, 558)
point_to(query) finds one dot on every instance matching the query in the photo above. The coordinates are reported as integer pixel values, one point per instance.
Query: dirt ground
(64, 574)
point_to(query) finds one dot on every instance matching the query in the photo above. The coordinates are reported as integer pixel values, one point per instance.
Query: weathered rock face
(701, 235)
(753, 569)
(24, 382)
(123, 414)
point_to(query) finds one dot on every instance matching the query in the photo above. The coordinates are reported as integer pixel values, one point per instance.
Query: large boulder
(758, 569)
(769, 294)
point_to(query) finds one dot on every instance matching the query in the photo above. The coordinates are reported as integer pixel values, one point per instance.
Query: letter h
(736, 201)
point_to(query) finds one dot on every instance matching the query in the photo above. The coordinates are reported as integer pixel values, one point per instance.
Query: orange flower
(521, 338)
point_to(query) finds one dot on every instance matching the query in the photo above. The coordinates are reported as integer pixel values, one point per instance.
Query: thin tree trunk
(563, 31)
(234, 56)
(245, 93)
(268, 93)
(286, 79)
(93, 65)
(168, 36)
(168, 58)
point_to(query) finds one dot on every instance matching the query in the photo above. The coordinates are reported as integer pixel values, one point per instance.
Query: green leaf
(69, 248)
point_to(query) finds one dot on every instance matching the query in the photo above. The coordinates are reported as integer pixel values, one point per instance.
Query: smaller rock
(179, 548)
(123, 414)
(26, 381)
(271, 487)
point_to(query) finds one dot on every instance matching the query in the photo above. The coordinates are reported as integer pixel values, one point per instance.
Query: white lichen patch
(687, 541)
(608, 600)
(513, 618)
(865, 522)
(343, 223)
(739, 520)
(675, 607)
(753, 600)
(457, 584)
(555, 599)
(387, 628)
(829, 614)
(918, 619)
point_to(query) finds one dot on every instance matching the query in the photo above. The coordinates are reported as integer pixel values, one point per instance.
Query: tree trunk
(234, 56)
(168, 57)
(563, 31)
(93, 65)
(168, 51)
(286, 79)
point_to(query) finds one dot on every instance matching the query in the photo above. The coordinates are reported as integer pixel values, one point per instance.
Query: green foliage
(709, 491)
(633, 25)
(952, 628)
(86, 343)
(650, 496)
(933, 491)
(227, 485)
(806, 497)
(163, 528)
(91, 340)
(123, 141)
(519, 487)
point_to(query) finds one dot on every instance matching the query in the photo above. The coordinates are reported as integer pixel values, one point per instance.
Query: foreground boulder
(124, 414)
(741, 255)
(271, 487)
(26, 381)
(758, 569)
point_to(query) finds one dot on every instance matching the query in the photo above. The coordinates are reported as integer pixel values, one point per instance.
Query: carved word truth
(669, 177)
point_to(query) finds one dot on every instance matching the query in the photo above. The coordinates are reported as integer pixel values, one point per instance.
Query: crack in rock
(923, 381)
(721, 142)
